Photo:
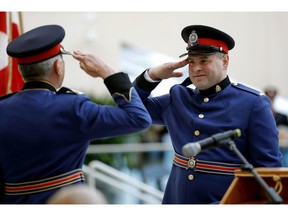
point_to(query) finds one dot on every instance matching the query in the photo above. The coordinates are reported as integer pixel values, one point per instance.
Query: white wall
(258, 59)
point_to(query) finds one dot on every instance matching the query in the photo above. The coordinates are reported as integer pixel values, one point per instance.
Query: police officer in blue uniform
(45, 131)
(214, 105)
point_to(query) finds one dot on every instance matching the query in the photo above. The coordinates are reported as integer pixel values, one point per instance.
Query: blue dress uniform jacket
(44, 135)
(191, 116)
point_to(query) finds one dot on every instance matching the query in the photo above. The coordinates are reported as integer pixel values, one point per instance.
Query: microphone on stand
(225, 138)
(192, 149)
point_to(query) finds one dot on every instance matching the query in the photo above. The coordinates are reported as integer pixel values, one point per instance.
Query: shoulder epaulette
(7, 96)
(247, 89)
(65, 90)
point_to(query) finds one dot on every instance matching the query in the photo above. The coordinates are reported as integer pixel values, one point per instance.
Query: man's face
(206, 70)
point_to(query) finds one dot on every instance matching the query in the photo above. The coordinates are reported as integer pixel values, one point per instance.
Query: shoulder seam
(247, 89)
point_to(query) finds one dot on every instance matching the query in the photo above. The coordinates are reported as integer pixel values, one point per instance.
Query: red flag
(3, 56)
(10, 77)
(16, 81)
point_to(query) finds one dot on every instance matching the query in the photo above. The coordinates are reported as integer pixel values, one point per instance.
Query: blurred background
(134, 41)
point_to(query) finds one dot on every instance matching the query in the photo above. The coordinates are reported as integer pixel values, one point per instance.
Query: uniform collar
(38, 85)
(216, 88)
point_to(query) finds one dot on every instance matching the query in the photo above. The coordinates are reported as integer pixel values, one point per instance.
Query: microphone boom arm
(273, 196)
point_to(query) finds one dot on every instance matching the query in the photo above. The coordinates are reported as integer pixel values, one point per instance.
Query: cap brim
(200, 50)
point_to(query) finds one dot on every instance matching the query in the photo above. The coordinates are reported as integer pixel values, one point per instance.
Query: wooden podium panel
(245, 189)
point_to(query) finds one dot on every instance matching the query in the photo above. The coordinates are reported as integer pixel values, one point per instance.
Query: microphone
(192, 149)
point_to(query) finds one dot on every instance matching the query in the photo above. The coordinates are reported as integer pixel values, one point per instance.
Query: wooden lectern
(244, 189)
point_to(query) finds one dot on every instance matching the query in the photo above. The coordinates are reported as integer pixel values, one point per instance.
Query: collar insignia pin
(218, 88)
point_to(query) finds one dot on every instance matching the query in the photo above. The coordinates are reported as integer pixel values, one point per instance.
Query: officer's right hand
(167, 70)
(93, 65)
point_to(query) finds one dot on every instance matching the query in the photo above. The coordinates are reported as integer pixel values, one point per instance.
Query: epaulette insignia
(247, 89)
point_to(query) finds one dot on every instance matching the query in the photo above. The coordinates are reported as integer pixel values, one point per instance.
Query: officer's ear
(58, 66)
(225, 61)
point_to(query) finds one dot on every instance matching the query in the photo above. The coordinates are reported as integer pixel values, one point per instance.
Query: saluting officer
(44, 133)
(214, 106)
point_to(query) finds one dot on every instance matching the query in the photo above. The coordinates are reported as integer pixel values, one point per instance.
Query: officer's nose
(195, 68)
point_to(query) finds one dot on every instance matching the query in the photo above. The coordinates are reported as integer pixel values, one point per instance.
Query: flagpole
(21, 22)
(8, 90)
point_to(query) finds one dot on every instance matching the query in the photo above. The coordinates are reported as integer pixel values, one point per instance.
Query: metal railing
(99, 171)
(115, 178)
(130, 147)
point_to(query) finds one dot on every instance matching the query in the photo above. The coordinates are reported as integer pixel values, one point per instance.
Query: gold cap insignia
(193, 39)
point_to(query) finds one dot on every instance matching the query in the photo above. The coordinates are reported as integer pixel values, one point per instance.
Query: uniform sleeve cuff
(145, 84)
(119, 84)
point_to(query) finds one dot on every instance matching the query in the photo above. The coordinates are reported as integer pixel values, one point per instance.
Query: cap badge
(193, 39)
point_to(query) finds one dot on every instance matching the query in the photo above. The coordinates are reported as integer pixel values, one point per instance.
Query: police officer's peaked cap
(37, 44)
(205, 39)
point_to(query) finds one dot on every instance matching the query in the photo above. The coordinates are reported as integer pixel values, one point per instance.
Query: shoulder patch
(65, 90)
(247, 89)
